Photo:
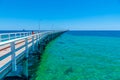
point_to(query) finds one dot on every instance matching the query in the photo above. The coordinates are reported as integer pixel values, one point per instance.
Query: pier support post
(25, 68)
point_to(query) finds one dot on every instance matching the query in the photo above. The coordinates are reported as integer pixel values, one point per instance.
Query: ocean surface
(81, 55)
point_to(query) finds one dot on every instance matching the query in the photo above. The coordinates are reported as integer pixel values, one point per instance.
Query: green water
(81, 58)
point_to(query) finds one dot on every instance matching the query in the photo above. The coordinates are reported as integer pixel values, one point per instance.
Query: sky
(60, 14)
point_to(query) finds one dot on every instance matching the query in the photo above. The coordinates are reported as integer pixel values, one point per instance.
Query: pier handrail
(12, 49)
(9, 36)
(17, 39)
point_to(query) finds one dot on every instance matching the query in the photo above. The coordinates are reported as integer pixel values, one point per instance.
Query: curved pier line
(15, 50)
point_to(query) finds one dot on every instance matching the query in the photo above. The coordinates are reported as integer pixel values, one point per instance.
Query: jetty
(17, 47)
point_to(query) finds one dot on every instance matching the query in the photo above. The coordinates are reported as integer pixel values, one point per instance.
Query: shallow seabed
(81, 58)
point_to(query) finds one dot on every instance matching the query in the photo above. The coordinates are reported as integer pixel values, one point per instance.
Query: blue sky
(60, 14)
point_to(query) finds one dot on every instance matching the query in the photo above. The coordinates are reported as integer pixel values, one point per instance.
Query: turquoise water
(71, 57)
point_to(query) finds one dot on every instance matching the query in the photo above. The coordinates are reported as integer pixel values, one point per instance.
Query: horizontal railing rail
(12, 50)
(9, 36)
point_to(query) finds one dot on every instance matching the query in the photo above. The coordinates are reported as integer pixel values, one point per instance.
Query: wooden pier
(17, 49)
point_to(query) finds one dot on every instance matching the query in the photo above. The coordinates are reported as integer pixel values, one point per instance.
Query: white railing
(9, 36)
(11, 51)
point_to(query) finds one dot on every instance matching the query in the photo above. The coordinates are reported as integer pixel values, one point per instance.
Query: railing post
(9, 36)
(37, 37)
(24, 34)
(15, 35)
(25, 63)
(20, 35)
(33, 43)
(13, 57)
(26, 47)
(0, 38)
(29, 33)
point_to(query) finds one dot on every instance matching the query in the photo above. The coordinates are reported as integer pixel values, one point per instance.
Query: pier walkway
(16, 48)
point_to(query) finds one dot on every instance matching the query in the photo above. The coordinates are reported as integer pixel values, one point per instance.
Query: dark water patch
(14, 78)
(68, 71)
(61, 42)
